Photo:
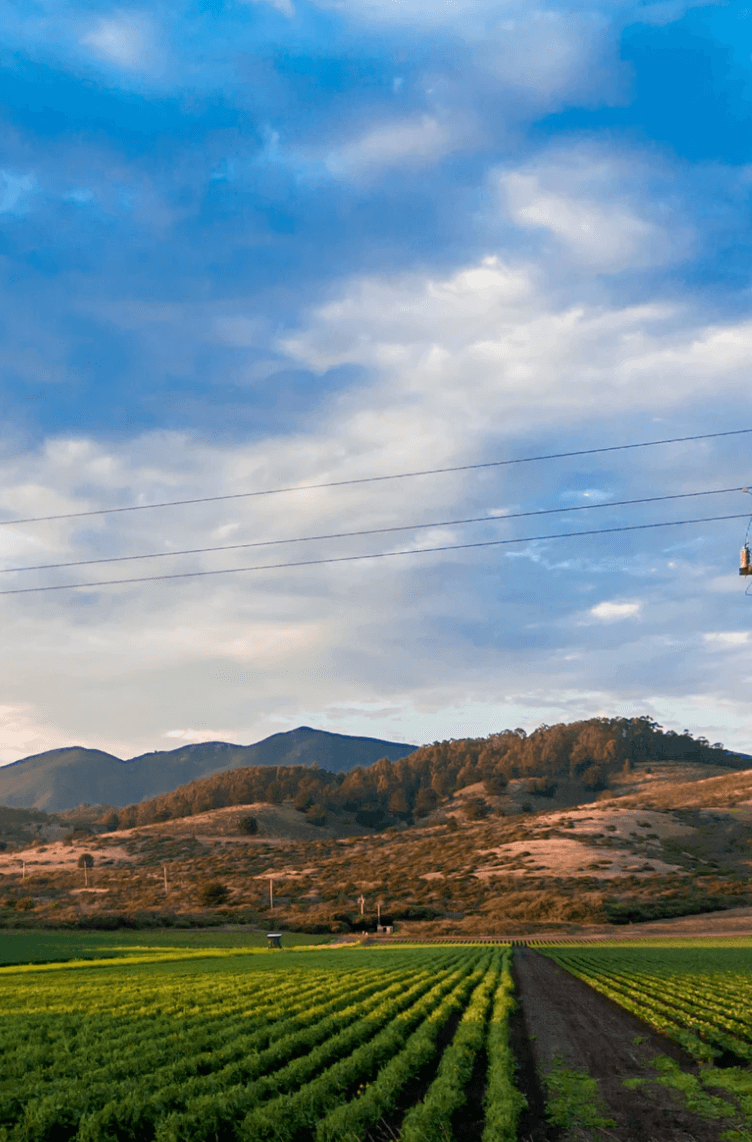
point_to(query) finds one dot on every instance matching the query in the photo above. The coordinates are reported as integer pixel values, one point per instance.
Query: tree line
(588, 752)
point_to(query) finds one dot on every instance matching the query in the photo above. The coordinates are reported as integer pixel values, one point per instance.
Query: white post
(164, 869)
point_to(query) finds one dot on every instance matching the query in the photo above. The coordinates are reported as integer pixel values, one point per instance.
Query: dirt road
(569, 1024)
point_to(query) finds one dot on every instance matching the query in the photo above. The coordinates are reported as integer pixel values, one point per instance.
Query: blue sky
(251, 244)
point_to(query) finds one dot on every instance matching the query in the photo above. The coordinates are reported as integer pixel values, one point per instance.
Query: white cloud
(124, 38)
(459, 365)
(611, 612)
(550, 54)
(594, 204)
(605, 239)
(727, 638)
(411, 143)
(485, 345)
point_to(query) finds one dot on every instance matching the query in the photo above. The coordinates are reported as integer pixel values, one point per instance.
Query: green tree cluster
(589, 752)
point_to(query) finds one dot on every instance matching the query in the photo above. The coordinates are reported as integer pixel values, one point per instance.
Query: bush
(316, 815)
(80, 833)
(214, 894)
(370, 818)
(639, 911)
(475, 808)
(248, 825)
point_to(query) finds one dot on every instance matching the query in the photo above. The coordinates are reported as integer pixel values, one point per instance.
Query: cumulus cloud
(460, 367)
(550, 54)
(610, 611)
(594, 204)
(123, 38)
(411, 143)
(727, 638)
(485, 343)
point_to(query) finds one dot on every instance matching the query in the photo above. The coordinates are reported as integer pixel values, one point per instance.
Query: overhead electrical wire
(373, 555)
(369, 531)
(374, 479)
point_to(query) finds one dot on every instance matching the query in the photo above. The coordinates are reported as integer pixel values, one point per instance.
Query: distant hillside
(586, 758)
(64, 778)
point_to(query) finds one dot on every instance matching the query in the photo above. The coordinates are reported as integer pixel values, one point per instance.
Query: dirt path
(568, 1021)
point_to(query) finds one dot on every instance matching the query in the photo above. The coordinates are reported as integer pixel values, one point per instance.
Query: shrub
(475, 808)
(214, 893)
(370, 818)
(248, 825)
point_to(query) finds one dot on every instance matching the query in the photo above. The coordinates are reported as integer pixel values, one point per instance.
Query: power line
(367, 531)
(373, 555)
(373, 479)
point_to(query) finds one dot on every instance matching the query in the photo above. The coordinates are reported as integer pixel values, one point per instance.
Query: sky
(257, 244)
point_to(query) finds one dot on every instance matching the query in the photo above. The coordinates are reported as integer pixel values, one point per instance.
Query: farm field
(658, 1033)
(189, 1044)
(18, 947)
(207, 1038)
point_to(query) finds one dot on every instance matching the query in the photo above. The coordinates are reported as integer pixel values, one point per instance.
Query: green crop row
(131, 1048)
(705, 994)
(353, 1119)
(431, 1119)
(503, 1102)
(325, 1052)
(284, 1118)
(703, 1037)
(190, 1072)
(210, 1106)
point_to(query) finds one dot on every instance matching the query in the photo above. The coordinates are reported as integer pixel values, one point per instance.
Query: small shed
(275, 939)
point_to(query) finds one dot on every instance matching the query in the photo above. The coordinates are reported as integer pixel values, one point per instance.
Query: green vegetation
(699, 996)
(698, 993)
(50, 947)
(503, 1102)
(431, 1119)
(588, 753)
(573, 1099)
(186, 1044)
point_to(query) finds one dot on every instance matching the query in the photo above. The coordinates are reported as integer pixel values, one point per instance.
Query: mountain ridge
(64, 778)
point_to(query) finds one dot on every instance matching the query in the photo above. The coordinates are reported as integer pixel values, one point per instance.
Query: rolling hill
(605, 821)
(65, 778)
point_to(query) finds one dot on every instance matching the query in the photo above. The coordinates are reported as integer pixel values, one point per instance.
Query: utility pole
(378, 913)
(361, 902)
(23, 875)
(164, 869)
(86, 874)
(271, 894)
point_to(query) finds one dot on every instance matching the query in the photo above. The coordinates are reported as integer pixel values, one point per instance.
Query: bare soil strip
(569, 1022)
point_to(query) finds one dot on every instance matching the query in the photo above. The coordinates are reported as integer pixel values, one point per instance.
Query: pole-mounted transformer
(745, 561)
